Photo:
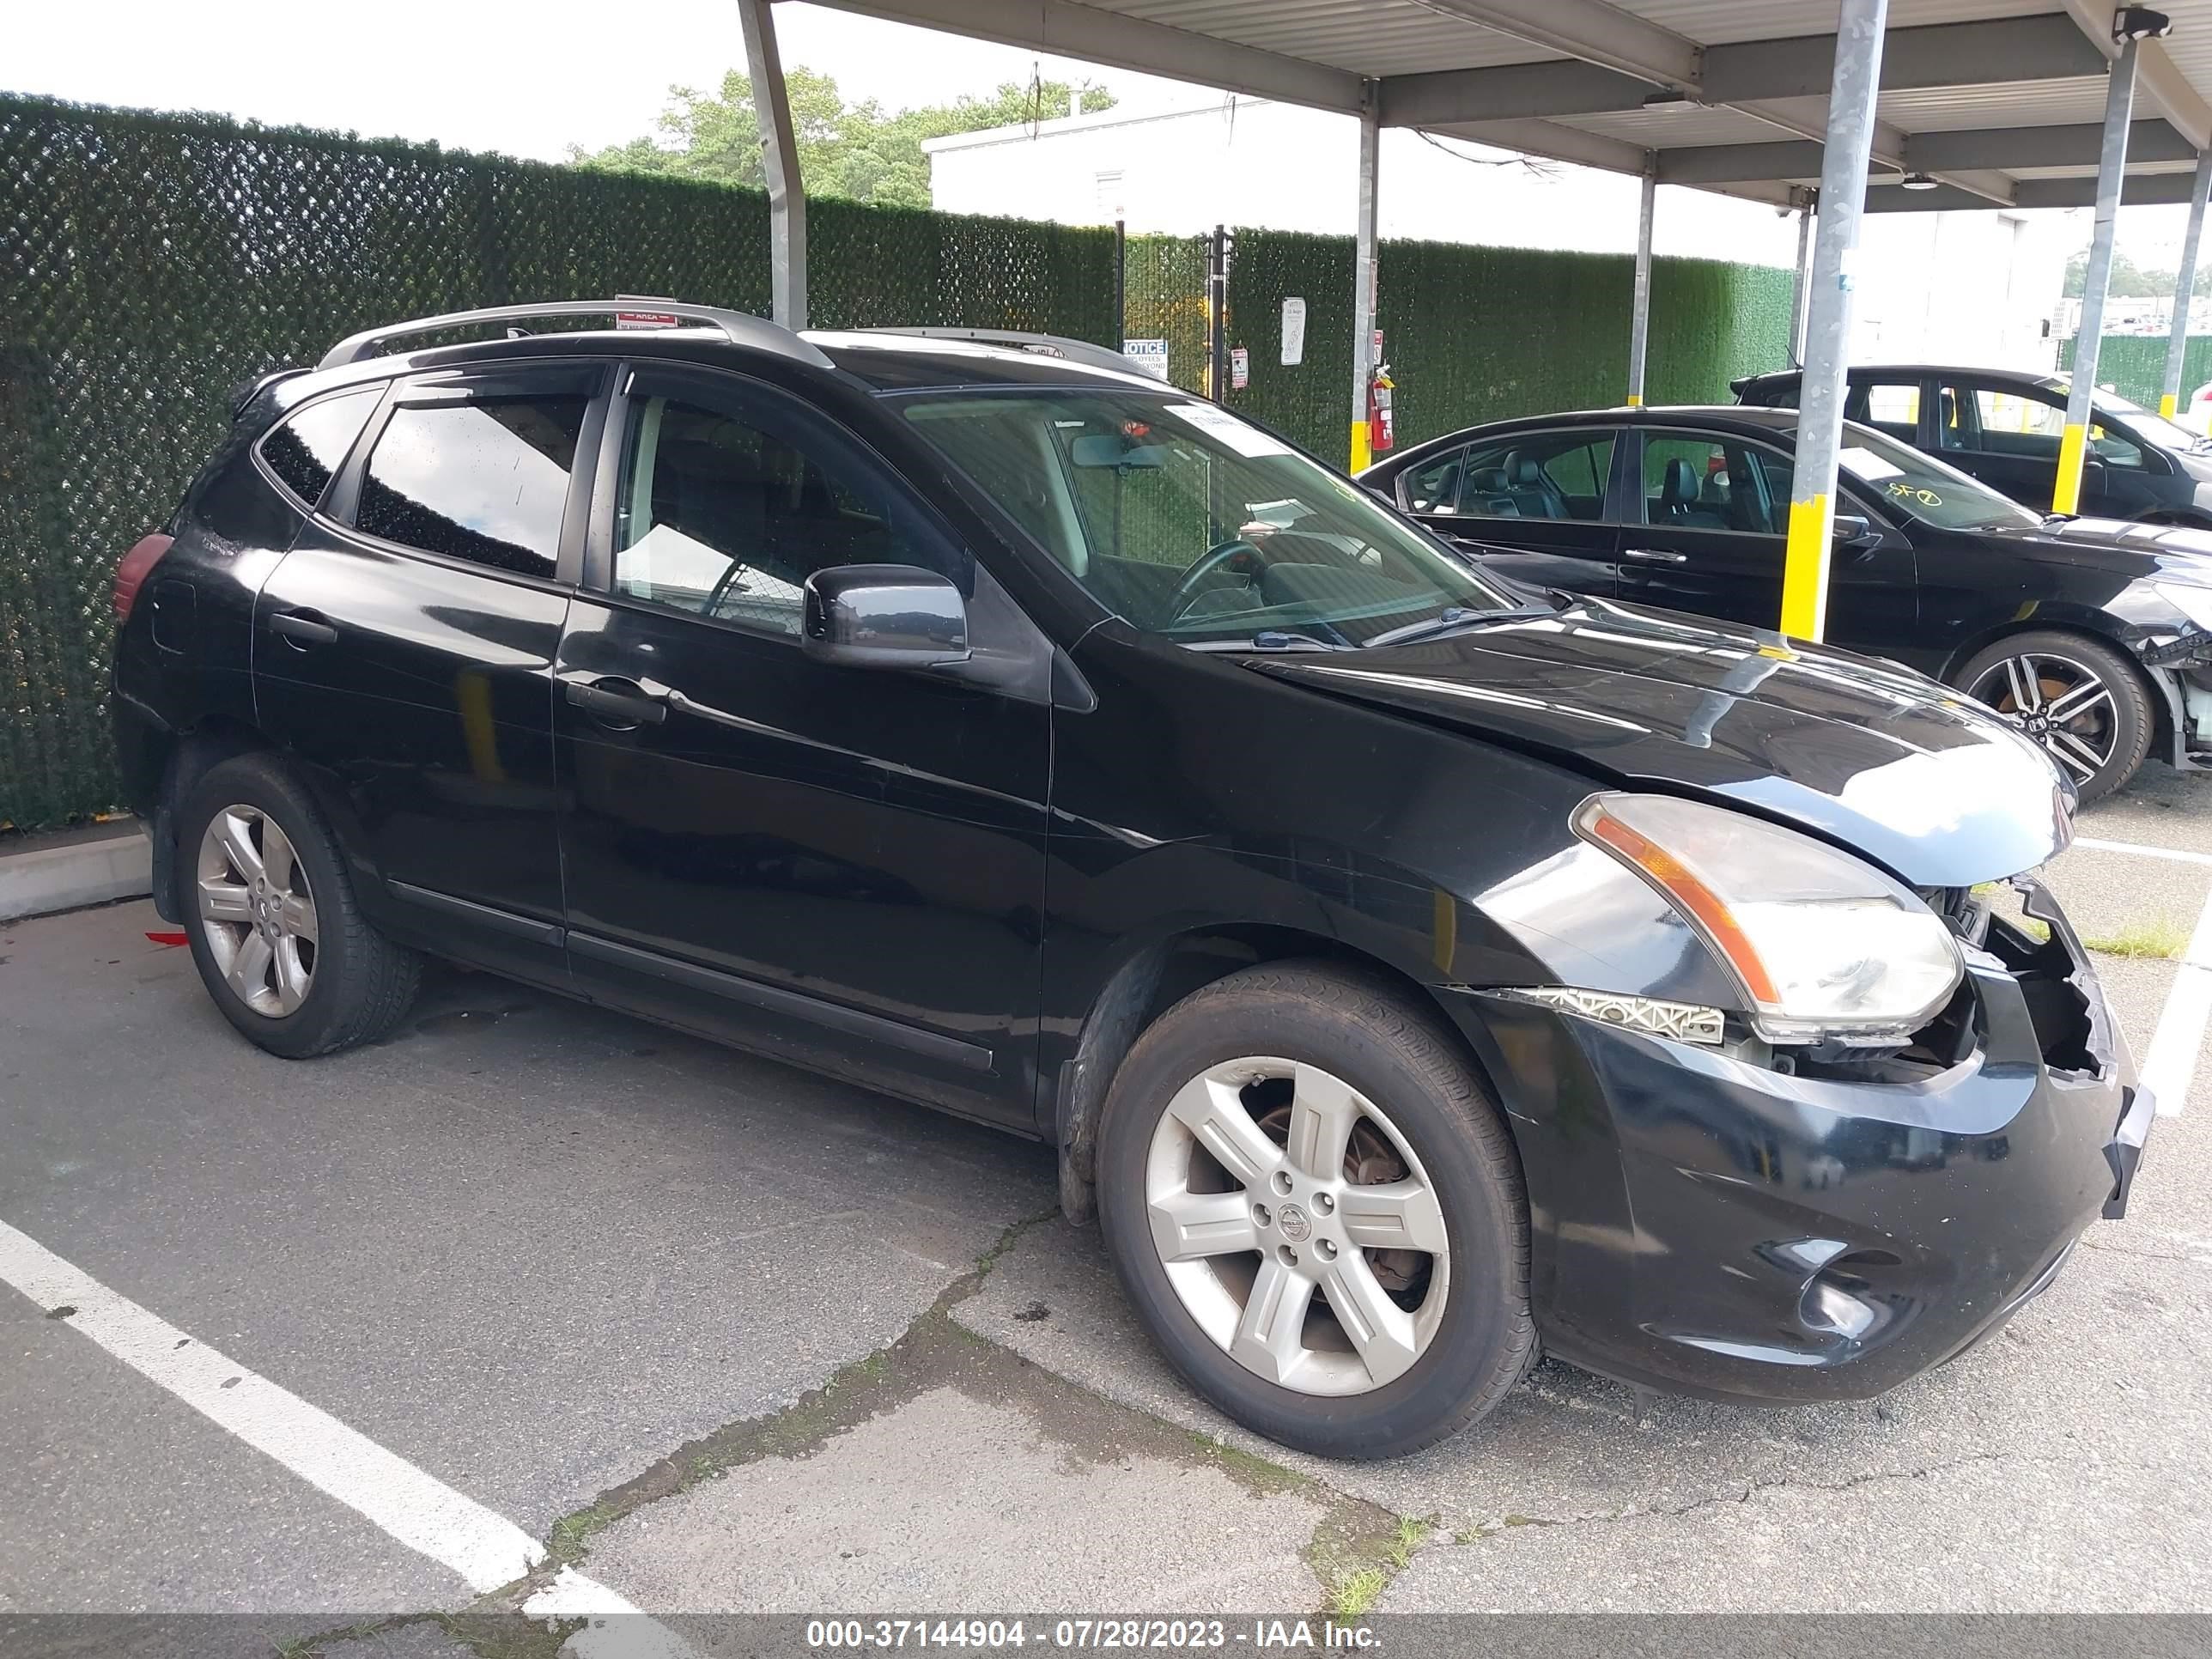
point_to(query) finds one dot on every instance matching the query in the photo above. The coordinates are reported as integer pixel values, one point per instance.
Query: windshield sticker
(1868, 465)
(1245, 440)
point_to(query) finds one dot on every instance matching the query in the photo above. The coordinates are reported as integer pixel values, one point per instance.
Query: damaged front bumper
(1709, 1223)
(2181, 669)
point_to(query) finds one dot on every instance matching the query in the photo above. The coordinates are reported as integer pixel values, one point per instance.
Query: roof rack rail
(1042, 345)
(739, 327)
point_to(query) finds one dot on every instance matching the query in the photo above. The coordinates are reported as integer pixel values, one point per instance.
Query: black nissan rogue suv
(1409, 966)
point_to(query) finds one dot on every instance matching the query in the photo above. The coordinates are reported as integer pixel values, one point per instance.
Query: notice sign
(636, 311)
(1149, 356)
(1240, 367)
(1294, 331)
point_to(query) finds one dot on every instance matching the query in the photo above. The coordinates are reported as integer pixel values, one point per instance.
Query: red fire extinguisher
(1382, 432)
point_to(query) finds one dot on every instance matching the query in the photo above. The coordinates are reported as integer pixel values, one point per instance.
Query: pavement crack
(929, 1351)
(1487, 1530)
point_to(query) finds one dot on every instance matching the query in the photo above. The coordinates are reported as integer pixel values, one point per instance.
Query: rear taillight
(137, 564)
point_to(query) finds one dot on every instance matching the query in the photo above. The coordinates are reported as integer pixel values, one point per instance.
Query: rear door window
(485, 480)
(1696, 481)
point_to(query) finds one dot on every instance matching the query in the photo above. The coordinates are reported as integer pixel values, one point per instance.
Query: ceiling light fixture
(1919, 181)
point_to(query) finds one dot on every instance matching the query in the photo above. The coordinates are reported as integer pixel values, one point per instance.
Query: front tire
(2078, 697)
(1317, 1212)
(269, 915)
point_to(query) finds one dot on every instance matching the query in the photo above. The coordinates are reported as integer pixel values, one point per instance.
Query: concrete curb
(40, 880)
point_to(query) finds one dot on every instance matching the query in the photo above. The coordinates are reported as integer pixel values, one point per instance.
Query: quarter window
(728, 518)
(485, 481)
(306, 451)
(1546, 474)
(1893, 406)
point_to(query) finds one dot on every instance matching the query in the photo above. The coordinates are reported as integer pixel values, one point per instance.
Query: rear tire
(269, 915)
(1263, 1062)
(2041, 681)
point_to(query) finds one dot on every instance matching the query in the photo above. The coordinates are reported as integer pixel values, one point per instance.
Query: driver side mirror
(1855, 534)
(883, 616)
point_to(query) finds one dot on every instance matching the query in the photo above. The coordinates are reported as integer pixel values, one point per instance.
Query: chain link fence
(1482, 333)
(2134, 365)
(150, 264)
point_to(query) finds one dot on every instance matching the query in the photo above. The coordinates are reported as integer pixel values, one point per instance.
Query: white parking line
(2170, 1068)
(486, 1549)
(2175, 855)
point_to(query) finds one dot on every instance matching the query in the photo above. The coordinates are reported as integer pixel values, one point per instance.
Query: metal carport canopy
(1997, 100)
(1930, 104)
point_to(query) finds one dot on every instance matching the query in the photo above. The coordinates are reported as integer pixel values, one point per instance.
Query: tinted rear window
(306, 451)
(487, 482)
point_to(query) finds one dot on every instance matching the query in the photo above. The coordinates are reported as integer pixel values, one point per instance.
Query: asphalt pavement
(722, 1337)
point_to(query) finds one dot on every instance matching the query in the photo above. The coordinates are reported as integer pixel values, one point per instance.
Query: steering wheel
(1190, 583)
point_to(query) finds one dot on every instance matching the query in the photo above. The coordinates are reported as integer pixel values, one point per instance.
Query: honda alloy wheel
(2078, 699)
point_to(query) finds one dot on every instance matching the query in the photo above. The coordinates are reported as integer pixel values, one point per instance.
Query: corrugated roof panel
(1373, 36)
(2019, 104)
(1715, 23)
(1678, 129)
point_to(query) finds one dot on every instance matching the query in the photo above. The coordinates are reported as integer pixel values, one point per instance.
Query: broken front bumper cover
(1712, 1225)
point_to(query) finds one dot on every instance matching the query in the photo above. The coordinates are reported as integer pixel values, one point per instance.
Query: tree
(2129, 280)
(854, 151)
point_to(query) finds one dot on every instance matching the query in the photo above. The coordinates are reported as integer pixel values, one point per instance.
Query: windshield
(1915, 485)
(1191, 523)
(2151, 428)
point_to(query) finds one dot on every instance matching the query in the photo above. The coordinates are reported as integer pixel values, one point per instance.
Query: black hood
(2178, 552)
(1902, 769)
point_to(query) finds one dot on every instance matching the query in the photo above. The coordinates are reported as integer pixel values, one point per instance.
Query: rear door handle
(619, 702)
(303, 627)
(1654, 555)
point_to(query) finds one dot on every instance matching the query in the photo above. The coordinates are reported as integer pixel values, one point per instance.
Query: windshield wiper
(1269, 639)
(1451, 617)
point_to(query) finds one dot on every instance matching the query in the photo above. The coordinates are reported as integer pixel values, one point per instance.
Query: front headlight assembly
(1824, 947)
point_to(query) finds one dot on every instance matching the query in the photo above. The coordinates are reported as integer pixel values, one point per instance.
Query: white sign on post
(1294, 331)
(1240, 367)
(1149, 356)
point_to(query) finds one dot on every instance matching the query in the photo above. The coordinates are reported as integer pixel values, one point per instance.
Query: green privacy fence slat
(149, 262)
(2134, 365)
(1483, 333)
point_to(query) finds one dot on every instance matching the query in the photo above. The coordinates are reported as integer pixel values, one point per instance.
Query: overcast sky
(524, 79)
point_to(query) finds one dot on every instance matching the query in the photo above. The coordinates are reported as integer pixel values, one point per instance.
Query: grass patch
(1408, 1538)
(2163, 940)
(1354, 1595)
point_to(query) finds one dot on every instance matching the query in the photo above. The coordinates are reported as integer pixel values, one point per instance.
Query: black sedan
(2004, 428)
(2093, 635)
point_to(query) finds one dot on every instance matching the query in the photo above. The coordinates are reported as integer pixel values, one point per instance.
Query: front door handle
(1654, 556)
(617, 703)
(303, 628)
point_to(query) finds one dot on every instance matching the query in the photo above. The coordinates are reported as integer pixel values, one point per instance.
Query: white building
(1925, 281)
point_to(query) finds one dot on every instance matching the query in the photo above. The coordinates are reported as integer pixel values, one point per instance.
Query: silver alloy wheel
(2064, 704)
(257, 910)
(1279, 1249)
